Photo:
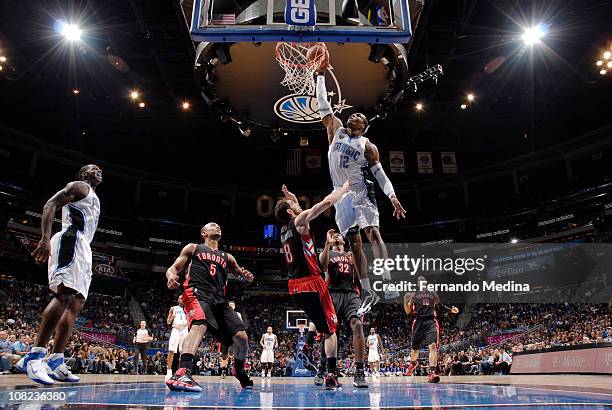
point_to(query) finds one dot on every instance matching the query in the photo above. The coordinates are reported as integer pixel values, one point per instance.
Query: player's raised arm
(302, 220)
(234, 267)
(331, 122)
(408, 301)
(324, 257)
(179, 264)
(373, 157)
(74, 191)
(170, 316)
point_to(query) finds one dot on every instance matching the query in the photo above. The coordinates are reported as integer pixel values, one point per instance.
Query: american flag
(223, 19)
(294, 162)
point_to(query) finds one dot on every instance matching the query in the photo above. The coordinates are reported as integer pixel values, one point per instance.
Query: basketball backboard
(342, 21)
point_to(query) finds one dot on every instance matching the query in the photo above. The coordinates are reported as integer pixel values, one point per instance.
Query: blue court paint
(282, 393)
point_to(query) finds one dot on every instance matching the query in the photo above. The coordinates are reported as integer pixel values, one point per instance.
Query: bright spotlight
(598, 63)
(470, 97)
(513, 240)
(134, 95)
(463, 106)
(419, 106)
(76, 91)
(1, 68)
(603, 72)
(609, 64)
(2, 59)
(72, 32)
(533, 35)
(141, 105)
(185, 105)
(607, 55)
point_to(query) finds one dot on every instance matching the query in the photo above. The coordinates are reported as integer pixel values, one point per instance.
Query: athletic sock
(175, 362)
(310, 337)
(239, 365)
(55, 356)
(187, 361)
(365, 284)
(331, 365)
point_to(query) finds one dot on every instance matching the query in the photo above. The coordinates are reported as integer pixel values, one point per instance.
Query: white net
(299, 70)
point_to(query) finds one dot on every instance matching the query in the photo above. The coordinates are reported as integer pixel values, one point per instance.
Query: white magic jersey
(70, 261)
(269, 341)
(373, 342)
(180, 318)
(82, 215)
(347, 160)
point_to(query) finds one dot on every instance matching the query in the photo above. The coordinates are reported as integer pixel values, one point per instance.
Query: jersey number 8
(288, 255)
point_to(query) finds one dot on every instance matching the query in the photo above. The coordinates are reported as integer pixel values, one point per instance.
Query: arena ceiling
(525, 98)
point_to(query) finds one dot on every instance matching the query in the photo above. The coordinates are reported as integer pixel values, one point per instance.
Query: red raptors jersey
(207, 274)
(300, 253)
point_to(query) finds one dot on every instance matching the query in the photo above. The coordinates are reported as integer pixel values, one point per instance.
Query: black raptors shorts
(221, 321)
(346, 303)
(424, 332)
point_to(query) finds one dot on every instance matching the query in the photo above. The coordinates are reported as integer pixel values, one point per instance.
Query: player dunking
(268, 342)
(306, 286)
(178, 319)
(206, 306)
(343, 284)
(425, 327)
(374, 344)
(69, 268)
(350, 155)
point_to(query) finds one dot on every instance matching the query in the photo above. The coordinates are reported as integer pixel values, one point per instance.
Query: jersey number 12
(343, 161)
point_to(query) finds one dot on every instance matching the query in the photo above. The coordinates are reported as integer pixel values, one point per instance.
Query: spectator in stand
(22, 346)
(502, 362)
(487, 363)
(7, 351)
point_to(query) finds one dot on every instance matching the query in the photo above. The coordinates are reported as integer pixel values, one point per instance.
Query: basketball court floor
(484, 392)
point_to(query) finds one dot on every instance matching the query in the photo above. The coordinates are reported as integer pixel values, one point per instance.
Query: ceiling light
(134, 95)
(72, 32)
(533, 35)
(419, 106)
(470, 97)
(607, 55)
(141, 105)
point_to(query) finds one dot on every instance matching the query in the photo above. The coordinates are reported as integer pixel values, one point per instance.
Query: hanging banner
(396, 162)
(449, 162)
(424, 163)
(312, 157)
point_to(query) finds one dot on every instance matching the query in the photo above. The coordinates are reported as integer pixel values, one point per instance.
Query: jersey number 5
(213, 269)
(343, 162)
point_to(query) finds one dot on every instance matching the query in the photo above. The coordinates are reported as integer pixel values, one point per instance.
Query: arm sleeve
(324, 107)
(383, 181)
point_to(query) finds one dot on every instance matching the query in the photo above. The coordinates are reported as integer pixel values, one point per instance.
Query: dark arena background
(492, 122)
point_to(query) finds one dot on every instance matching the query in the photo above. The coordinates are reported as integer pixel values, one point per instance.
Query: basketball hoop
(298, 69)
(301, 327)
